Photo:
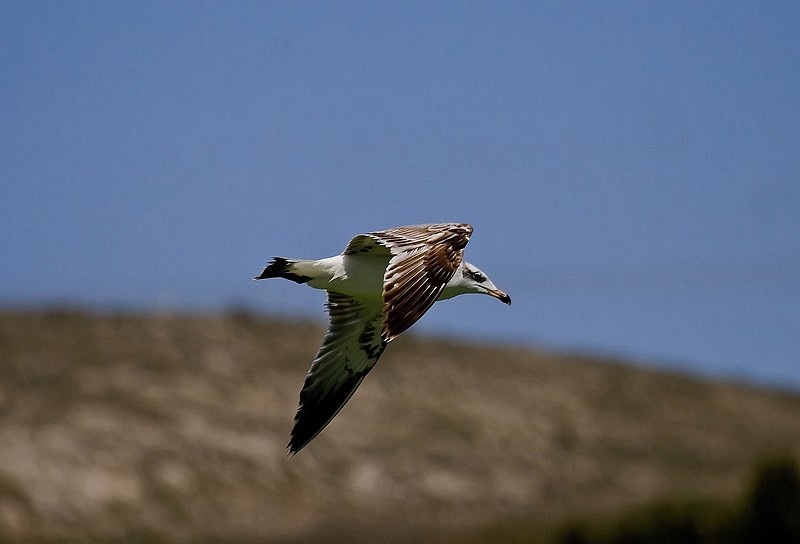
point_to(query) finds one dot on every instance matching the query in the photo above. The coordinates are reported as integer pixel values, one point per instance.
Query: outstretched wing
(348, 352)
(423, 258)
(400, 239)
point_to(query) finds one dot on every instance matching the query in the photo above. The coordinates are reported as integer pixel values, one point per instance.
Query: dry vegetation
(173, 427)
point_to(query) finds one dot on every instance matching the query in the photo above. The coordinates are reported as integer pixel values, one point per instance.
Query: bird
(381, 284)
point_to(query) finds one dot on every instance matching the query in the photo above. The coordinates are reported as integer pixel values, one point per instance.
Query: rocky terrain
(172, 428)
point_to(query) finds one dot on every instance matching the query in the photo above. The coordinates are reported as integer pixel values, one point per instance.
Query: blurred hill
(155, 428)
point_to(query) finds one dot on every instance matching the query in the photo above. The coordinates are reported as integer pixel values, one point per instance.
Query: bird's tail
(279, 267)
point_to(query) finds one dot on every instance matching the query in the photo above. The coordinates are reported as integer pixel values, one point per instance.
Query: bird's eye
(477, 276)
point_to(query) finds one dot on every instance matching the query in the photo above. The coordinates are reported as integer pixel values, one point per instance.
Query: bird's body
(377, 288)
(357, 276)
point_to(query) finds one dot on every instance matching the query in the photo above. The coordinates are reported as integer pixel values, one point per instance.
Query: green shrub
(768, 512)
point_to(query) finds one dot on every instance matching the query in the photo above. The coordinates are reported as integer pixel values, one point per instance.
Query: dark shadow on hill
(768, 512)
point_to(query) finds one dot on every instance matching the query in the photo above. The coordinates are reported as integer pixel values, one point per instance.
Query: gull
(377, 288)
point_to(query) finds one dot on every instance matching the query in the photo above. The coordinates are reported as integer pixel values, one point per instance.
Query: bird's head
(470, 279)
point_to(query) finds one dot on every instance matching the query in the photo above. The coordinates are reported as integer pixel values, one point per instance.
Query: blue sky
(632, 169)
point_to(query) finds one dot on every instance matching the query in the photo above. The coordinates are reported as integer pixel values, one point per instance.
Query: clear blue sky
(632, 169)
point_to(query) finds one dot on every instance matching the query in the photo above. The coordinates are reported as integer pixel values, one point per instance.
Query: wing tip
(316, 412)
(293, 447)
(298, 442)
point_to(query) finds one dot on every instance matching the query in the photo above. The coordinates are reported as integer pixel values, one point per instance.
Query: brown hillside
(174, 426)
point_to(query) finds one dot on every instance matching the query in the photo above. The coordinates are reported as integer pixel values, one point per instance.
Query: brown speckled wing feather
(424, 258)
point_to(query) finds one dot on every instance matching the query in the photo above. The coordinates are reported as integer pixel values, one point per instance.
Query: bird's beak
(500, 295)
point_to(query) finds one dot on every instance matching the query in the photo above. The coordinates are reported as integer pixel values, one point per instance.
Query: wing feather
(351, 347)
(404, 238)
(424, 258)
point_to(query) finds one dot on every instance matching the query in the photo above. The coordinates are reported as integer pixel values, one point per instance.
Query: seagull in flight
(377, 288)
